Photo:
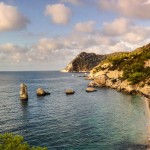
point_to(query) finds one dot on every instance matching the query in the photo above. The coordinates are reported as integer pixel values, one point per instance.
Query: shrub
(136, 77)
(9, 141)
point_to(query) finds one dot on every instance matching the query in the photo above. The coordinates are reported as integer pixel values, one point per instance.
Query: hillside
(84, 62)
(129, 72)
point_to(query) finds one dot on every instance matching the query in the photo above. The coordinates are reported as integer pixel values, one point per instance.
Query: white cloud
(13, 53)
(130, 8)
(118, 27)
(11, 18)
(48, 44)
(137, 34)
(147, 2)
(59, 13)
(86, 27)
(126, 30)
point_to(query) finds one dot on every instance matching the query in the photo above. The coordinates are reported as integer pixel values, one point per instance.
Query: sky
(48, 34)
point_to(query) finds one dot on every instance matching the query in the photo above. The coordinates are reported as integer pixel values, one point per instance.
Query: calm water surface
(103, 120)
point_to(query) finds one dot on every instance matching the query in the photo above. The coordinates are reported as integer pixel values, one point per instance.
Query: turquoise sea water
(103, 120)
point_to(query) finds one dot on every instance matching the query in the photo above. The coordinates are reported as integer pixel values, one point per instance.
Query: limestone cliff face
(125, 73)
(84, 62)
(113, 79)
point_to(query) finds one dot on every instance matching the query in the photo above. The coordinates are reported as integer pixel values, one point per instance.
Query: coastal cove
(105, 119)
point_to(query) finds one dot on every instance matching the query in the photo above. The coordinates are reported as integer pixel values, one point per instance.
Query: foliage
(9, 141)
(131, 63)
(136, 77)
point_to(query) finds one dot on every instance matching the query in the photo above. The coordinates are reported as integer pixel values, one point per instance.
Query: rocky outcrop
(126, 72)
(23, 92)
(84, 62)
(41, 92)
(69, 92)
(113, 79)
(90, 89)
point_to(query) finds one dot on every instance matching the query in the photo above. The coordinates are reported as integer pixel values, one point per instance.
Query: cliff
(127, 72)
(84, 62)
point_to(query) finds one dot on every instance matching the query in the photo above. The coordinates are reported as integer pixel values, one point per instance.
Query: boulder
(69, 92)
(23, 92)
(41, 92)
(92, 84)
(90, 89)
(101, 80)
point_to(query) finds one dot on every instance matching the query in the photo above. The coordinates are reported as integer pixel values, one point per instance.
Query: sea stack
(41, 92)
(23, 92)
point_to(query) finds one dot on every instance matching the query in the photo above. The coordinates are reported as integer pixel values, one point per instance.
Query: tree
(9, 141)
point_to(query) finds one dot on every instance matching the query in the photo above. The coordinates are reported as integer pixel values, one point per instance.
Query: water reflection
(24, 104)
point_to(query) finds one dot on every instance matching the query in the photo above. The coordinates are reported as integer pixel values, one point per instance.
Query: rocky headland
(126, 72)
(84, 62)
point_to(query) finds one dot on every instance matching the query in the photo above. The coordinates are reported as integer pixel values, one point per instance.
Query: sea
(102, 120)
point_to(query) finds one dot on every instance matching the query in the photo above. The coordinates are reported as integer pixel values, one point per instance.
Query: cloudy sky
(47, 34)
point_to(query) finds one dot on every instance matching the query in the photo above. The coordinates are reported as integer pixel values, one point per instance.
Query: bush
(136, 77)
(9, 141)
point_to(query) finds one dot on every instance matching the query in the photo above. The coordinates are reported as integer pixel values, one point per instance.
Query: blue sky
(48, 34)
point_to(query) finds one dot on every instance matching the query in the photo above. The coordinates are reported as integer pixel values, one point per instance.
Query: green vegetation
(132, 64)
(9, 141)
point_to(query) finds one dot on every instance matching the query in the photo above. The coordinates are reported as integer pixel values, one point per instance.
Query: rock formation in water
(84, 62)
(69, 92)
(127, 72)
(41, 92)
(90, 89)
(23, 92)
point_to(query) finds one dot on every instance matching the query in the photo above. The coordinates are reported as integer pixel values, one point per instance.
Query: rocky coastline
(113, 79)
(128, 73)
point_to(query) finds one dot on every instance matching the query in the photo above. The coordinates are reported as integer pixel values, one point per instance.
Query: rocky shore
(113, 79)
(128, 73)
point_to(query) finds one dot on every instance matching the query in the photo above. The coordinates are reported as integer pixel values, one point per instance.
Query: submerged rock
(41, 92)
(23, 92)
(90, 89)
(69, 92)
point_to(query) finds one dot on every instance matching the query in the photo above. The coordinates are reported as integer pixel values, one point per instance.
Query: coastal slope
(127, 72)
(84, 62)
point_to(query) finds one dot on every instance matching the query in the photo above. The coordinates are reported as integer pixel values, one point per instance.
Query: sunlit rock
(23, 92)
(41, 92)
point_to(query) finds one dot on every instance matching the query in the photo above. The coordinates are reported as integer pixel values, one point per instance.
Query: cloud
(130, 8)
(74, 2)
(12, 53)
(59, 13)
(11, 18)
(48, 44)
(117, 27)
(147, 2)
(126, 30)
(137, 34)
(56, 52)
(86, 27)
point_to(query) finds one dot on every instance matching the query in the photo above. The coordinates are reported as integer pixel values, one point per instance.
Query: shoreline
(112, 79)
(128, 89)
